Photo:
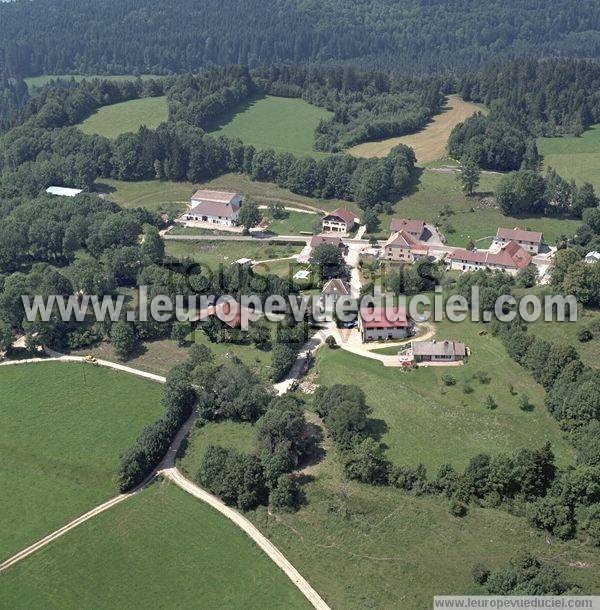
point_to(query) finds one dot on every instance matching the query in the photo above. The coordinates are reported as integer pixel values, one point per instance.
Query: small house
(402, 247)
(383, 323)
(530, 241)
(415, 228)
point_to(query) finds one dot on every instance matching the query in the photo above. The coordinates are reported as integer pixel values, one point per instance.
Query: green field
(111, 121)
(213, 253)
(281, 123)
(160, 356)
(294, 224)
(422, 420)
(436, 190)
(161, 549)
(229, 434)
(62, 429)
(154, 195)
(34, 82)
(574, 158)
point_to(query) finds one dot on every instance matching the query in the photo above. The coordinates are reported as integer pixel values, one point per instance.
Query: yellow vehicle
(90, 358)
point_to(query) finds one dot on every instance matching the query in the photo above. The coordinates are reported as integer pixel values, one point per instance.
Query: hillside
(156, 36)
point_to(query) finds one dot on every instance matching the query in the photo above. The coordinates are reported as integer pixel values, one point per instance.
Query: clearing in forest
(429, 144)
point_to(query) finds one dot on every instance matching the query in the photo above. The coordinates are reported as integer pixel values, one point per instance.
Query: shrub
(490, 403)
(480, 573)
(448, 380)
(331, 342)
(524, 403)
(482, 377)
(458, 509)
(467, 388)
(584, 335)
(287, 495)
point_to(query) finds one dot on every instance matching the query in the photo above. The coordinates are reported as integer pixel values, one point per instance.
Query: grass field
(429, 144)
(213, 253)
(154, 195)
(62, 430)
(281, 123)
(111, 121)
(574, 158)
(161, 549)
(160, 356)
(294, 224)
(229, 434)
(421, 420)
(436, 190)
(34, 82)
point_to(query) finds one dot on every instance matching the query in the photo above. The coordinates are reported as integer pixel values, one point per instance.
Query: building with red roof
(530, 241)
(340, 221)
(383, 323)
(402, 247)
(510, 258)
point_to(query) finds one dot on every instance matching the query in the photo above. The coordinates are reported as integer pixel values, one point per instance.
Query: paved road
(255, 237)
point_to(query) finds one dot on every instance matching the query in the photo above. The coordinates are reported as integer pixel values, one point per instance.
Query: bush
(282, 360)
(482, 377)
(467, 388)
(480, 573)
(584, 335)
(458, 509)
(448, 380)
(287, 495)
(331, 342)
(524, 403)
(490, 403)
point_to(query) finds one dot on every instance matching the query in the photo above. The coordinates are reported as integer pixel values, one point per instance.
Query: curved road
(167, 469)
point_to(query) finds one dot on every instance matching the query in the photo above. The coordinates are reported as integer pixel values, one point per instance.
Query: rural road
(168, 470)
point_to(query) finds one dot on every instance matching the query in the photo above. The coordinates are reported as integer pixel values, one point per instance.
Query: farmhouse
(438, 351)
(530, 241)
(317, 240)
(340, 221)
(510, 258)
(381, 323)
(415, 228)
(63, 191)
(402, 247)
(217, 207)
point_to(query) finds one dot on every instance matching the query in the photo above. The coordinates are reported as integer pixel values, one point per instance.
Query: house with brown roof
(383, 323)
(510, 258)
(415, 228)
(333, 240)
(530, 241)
(216, 207)
(331, 293)
(438, 351)
(402, 247)
(340, 221)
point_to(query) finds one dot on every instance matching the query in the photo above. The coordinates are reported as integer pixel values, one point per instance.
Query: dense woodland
(527, 99)
(158, 37)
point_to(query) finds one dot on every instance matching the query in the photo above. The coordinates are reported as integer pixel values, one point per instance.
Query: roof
(438, 348)
(336, 286)
(242, 261)
(594, 255)
(383, 317)
(229, 311)
(410, 225)
(214, 208)
(346, 215)
(519, 235)
(403, 239)
(317, 240)
(303, 274)
(511, 255)
(63, 191)
(219, 196)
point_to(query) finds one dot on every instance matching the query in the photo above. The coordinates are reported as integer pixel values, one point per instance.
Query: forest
(413, 36)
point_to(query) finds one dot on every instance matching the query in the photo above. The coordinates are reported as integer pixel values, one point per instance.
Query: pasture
(160, 549)
(213, 253)
(422, 420)
(125, 117)
(280, 123)
(574, 158)
(469, 219)
(153, 195)
(429, 144)
(62, 429)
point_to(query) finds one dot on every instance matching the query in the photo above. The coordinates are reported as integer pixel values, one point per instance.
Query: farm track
(168, 470)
